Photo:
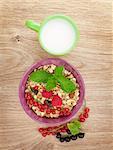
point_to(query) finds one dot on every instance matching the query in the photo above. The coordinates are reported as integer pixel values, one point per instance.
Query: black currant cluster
(69, 136)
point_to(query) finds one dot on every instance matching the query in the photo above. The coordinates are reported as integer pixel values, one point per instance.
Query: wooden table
(19, 49)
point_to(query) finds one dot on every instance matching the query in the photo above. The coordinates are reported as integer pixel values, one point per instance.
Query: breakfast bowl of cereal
(51, 91)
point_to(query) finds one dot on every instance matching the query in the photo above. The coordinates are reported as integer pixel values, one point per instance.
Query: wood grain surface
(19, 49)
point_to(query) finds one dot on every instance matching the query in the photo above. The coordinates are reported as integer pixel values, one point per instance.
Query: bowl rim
(43, 120)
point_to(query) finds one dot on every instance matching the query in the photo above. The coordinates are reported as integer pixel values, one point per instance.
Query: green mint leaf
(66, 84)
(58, 70)
(77, 123)
(40, 76)
(51, 83)
(73, 128)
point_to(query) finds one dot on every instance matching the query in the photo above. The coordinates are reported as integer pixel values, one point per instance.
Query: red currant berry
(45, 106)
(31, 102)
(47, 94)
(44, 131)
(82, 119)
(86, 110)
(61, 113)
(58, 108)
(53, 111)
(42, 109)
(39, 106)
(35, 103)
(48, 133)
(86, 115)
(63, 130)
(44, 134)
(48, 111)
(66, 109)
(49, 128)
(68, 113)
(42, 106)
(28, 96)
(41, 129)
(64, 113)
(35, 88)
(81, 116)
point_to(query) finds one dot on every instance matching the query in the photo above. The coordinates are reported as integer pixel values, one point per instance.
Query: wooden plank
(19, 48)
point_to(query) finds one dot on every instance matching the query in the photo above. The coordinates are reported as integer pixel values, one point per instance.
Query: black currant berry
(34, 91)
(61, 139)
(58, 135)
(47, 102)
(67, 139)
(81, 135)
(74, 137)
(68, 131)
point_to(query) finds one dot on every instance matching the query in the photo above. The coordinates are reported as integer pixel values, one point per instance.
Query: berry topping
(59, 108)
(40, 129)
(62, 139)
(86, 115)
(45, 106)
(47, 94)
(74, 137)
(56, 101)
(66, 109)
(39, 106)
(81, 116)
(49, 128)
(53, 111)
(48, 111)
(35, 103)
(86, 110)
(61, 113)
(68, 131)
(28, 96)
(42, 109)
(35, 88)
(44, 134)
(81, 135)
(58, 135)
(82, 119)
(47, 102)
(31, 101)
(65, 112)
(67, 139)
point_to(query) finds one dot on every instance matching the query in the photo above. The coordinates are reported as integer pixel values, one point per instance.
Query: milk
(57, 36)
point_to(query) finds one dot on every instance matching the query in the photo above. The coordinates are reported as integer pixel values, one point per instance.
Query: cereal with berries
(51, 91)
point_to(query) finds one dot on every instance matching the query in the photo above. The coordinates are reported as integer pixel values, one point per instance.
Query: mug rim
(67, 18)
(49, 121)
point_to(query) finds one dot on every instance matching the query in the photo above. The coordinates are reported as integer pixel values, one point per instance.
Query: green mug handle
(33, 25)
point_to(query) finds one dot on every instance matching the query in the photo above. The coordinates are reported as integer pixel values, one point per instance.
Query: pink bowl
(43, 120)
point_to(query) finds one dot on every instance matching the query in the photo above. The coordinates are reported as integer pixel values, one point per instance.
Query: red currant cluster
(29, 98)
(62, 132)
(56, 103)
(65, 112)
(52, 130)
(84, 115)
